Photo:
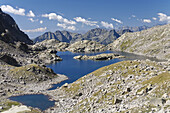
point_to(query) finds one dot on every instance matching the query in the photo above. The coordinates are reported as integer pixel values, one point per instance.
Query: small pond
(37, 101)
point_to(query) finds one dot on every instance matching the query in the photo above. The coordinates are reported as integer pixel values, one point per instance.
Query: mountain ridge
(9, 30)
(153, 42)
(96, 34)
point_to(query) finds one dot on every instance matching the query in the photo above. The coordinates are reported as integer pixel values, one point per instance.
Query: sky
(36, 17)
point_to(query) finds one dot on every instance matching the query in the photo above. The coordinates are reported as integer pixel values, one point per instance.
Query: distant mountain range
(102, 36)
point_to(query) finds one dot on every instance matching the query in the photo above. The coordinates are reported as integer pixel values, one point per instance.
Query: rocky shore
(103, 56)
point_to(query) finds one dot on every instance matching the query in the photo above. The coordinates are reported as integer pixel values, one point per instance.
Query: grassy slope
(126, 68)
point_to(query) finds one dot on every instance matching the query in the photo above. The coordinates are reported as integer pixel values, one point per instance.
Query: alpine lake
(73, 69)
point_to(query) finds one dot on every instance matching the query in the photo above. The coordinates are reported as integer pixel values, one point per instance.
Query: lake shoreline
(48, 85)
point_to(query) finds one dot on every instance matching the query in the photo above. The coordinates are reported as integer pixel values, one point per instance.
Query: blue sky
(35, 17)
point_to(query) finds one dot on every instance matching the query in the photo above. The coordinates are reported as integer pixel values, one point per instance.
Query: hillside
(9, 30)
(128, 86)
(154, 42)
(22, 68)
(86, 46)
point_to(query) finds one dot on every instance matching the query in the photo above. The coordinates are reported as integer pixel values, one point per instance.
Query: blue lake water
(37, 101)
(74, 69)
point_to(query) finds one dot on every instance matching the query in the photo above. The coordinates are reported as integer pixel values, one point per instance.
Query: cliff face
(9, 30)
(152, 42)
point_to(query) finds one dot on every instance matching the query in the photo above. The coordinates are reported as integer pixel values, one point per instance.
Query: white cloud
(164, 18)
(154, 18)
(133, 16)
(10, 9)
(64, 26)
(106, 25)
(54, 16)
(32, 20)
(71, 28)
(35, 30)
(147, 21)
(116, 20)
(87, 22)
(31, 14)
(41, 22)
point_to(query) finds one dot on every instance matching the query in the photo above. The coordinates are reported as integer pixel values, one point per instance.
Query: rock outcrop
(10, 32)
(50, 44)
(28, 73)
(152, 42)
(8, 59)
(103, 56)
(86, 46)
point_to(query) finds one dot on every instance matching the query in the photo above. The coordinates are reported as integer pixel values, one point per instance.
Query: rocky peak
(9, 30)
(67, 35)
(94, 32)
(61, 37)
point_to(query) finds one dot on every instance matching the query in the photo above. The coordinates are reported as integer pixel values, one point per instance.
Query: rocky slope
(9, 30)
(79, 46)
(22, 69)
(128, 86)
(86, 46)
(154, 42)
(52, 44)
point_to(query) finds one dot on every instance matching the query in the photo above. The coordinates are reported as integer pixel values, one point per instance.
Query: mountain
(93, 33)
(133, 29)
(154, 42)
(61, 37)
(108, 37)
(45, 36)
(67, 35)
(9, 30)
(100, 35)
(121, 32)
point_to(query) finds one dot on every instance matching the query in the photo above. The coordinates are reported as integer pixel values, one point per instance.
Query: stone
(65, 85)
(104, 56)
(78, 57)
